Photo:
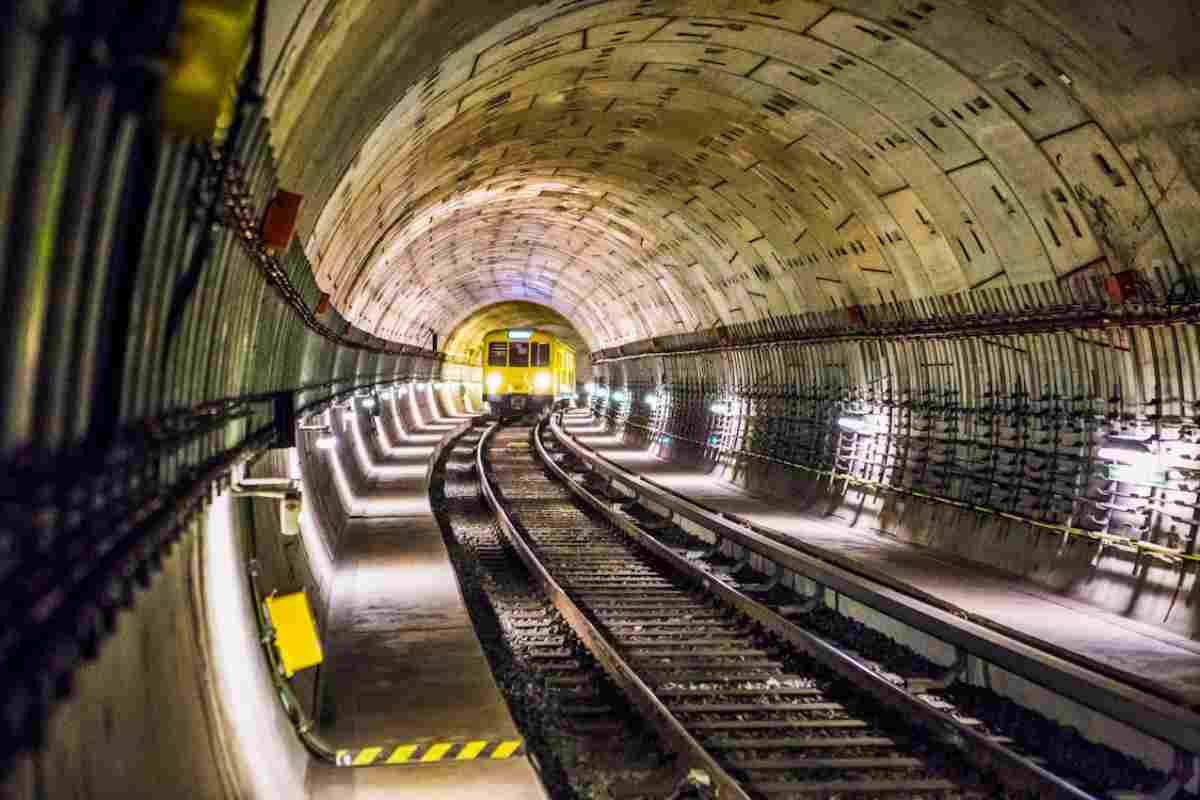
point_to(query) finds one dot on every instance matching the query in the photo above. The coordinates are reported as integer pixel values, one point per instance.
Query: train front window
(518, 354)
(498, 354)
(541, 354)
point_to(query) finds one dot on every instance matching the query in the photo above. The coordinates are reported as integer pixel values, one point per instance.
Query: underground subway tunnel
(600, 399)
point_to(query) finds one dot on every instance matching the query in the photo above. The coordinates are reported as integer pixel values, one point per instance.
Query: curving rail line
(752, 703)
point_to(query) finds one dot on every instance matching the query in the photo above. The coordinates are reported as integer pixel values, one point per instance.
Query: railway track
(573, 718)
(754, 715)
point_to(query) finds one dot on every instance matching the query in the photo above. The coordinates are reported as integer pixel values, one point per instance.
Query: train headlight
(541, 381)
(493, 382)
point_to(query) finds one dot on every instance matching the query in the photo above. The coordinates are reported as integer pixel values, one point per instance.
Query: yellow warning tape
(431, 752)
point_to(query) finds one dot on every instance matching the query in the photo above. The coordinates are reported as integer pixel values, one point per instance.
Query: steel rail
(606, 653)
(1016, 771)
(1166, 718)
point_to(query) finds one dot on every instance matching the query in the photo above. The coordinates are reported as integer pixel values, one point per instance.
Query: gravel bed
(1066, 752)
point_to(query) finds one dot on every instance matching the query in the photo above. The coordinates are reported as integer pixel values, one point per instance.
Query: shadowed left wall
(178, 702)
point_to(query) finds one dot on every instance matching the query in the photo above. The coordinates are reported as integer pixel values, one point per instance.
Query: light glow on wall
(241, 681)
(389, 472)
(856, 423)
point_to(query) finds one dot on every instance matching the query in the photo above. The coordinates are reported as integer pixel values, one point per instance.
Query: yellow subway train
(525, 371)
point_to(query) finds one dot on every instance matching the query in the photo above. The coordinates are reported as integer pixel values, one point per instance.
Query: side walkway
(1140, 652)
(403, 664)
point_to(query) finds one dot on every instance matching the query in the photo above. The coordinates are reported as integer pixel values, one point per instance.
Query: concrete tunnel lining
(828, 156)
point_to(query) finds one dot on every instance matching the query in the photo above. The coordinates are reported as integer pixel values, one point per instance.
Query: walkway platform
(403, 664)
(1162, 662)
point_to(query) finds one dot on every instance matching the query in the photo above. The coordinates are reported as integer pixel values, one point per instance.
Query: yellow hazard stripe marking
(402, 753)
(366, 756)
(436, 752)
(471, 749)
(506, 749)
(430, 752)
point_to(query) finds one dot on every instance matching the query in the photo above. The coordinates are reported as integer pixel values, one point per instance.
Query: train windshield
(498, 354)
(518, 354)
(541, 354)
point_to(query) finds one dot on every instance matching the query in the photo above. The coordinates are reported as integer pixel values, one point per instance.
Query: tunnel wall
(179, 701)
(150, 335)
(287, 563)
(269, 758)
(984, 447)
(667, 167)
(140, 719)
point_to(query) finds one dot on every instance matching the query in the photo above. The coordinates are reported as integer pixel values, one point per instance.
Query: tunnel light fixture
(1133, 460)
(653, 400)
(855, 423)
(368, 402)
(1124, 450)
(618, 396)
(326, 442)
(720, 409)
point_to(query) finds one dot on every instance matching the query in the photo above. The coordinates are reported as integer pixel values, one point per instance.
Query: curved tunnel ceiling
(648, 168)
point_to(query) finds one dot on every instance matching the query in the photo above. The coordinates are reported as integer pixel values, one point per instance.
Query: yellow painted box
(295, 631)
